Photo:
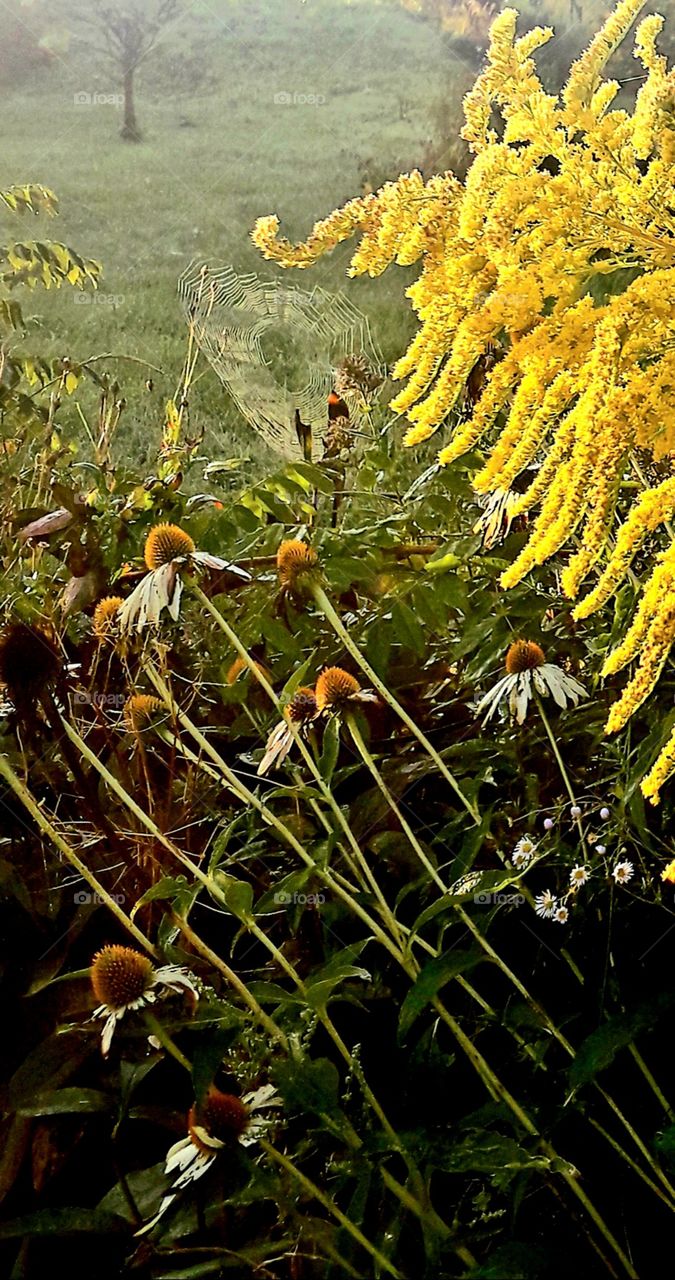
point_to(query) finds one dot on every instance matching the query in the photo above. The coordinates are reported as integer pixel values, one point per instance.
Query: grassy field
(387, 90)
(193, 190)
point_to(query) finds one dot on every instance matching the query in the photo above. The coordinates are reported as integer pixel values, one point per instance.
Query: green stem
(69, 854)
(152, 827)
(324, 605)
(160, 1033)
(330, 1205)
(270, 818)
(365, 755)
(306, 754)
(563, 771)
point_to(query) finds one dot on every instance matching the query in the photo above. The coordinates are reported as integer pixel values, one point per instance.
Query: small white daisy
(168, 551)
(221, 1119)
(623, 872)
(579, 876)
(545, 904)
(561, 915)
(523, 852)
(124, 980)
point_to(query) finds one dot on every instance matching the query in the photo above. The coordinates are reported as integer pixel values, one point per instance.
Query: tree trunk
(129, 131)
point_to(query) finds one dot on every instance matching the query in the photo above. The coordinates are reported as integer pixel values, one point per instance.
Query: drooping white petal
(176, 978)
(207, 561)
(524, 690)
(108, 1033)
(265, 1096)
(278, 746)
(180, 1155)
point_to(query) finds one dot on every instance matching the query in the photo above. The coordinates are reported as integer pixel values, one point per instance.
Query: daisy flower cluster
(554, 906)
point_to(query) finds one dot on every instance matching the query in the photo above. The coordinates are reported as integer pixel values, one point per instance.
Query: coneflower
(239, 665)
(527, 673)
(141, 710)
(220, 1120)
(106, 617)
(169, 551)
(296, 562)
(166, 542)
(124, 980)
(29, 663)
(301, 711)
(337, 690)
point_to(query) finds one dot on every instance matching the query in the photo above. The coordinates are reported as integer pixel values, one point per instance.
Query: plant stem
(234, 980)
(330, 1205)
(563, 771)
(365, 755)
(160, 1033)
(69, 854)
(306, 754)
(324, 605)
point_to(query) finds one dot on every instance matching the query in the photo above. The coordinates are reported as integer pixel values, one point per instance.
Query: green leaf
(330, 749)
(407, 629)
(66, 1101)
(430, 981)
(309, 1085)
(63, 1222)
(600, 1048)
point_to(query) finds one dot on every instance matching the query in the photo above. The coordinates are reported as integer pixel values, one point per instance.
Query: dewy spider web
(273, 347)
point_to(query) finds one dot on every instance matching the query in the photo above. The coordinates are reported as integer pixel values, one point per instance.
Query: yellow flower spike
(563, 194)
(650, 510)
(662, 769)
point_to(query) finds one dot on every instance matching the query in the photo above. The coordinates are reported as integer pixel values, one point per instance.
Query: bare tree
(127, 34)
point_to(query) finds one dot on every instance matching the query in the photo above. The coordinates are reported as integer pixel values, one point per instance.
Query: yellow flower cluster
(558, 253)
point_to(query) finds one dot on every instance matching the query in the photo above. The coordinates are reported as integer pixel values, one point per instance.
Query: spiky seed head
(223, 1115)
(240, 665)
(105, 616)
(294, 560)
(140, 710)
(355, 375)
(524, 655)
(302, 706)
(166, 542)
(335, 688)
(120, 975)
(338, 436)
(29, 662)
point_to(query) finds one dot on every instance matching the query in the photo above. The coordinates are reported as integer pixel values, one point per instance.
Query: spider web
(273, 347)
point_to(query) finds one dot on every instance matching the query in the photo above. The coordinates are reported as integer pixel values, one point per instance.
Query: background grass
(193, 190)
(208, 166)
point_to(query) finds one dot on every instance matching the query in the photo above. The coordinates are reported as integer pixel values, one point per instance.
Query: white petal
(174, 602)
(180, 1155)
(108, 1032)
(207, 561)
(265, 1096)
(196, 1170)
